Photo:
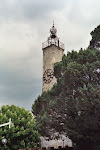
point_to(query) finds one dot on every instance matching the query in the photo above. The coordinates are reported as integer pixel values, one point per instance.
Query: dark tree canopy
(95, 42)
(23, 132)
(73, 104)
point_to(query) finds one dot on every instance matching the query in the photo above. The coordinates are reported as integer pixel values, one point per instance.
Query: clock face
(48, 76)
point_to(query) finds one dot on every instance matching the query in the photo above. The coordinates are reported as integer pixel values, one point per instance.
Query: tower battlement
(53, 42)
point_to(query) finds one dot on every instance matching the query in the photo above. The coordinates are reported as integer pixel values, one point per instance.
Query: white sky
(24, 25)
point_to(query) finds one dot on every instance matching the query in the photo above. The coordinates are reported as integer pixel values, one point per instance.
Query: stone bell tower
(52, 52)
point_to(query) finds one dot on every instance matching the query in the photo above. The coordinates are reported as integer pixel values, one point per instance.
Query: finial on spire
(53, 31)
(53, 23)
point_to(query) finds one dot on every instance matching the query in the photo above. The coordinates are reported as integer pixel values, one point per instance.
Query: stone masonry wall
(51, 55)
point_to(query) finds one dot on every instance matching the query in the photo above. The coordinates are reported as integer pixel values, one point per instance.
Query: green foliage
(95, 42)
(23, 132)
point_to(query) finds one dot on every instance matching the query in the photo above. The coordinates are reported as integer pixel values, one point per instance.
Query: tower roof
(53, 39)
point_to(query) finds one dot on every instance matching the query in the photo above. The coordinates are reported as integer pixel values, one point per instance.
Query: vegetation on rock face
(23, 132)
(73, 104)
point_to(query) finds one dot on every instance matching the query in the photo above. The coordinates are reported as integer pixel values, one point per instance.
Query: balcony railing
(56, 43)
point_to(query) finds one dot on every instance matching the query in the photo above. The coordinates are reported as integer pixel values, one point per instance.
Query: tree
(23, 132)
(83, 113)
(73, 105)
(95, 42)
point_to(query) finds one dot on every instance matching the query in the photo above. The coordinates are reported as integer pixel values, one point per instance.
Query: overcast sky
(24, 25)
